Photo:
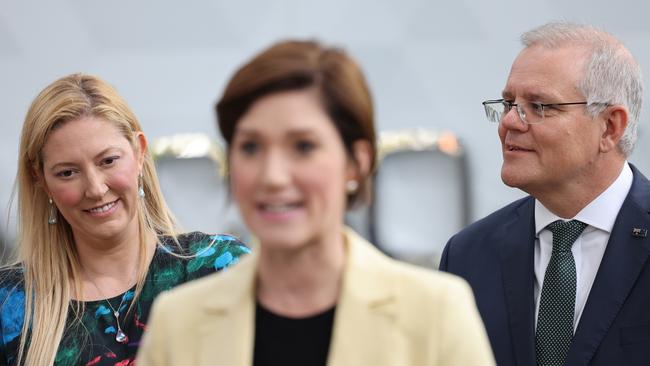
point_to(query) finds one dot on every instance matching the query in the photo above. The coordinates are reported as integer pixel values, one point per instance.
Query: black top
(292, 341)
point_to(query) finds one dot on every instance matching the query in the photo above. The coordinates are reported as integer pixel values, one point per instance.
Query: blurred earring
(140, 187)
(351, 186)
(52, 216)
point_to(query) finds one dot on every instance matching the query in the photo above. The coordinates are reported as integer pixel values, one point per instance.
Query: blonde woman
(298, 120)
(96, 241)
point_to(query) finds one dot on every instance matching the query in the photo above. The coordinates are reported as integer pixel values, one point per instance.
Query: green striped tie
(558, 299)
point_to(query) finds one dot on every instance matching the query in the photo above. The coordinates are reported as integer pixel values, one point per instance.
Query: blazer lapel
(229, 318)
(364, 325)
(517, 262)
(624, 258)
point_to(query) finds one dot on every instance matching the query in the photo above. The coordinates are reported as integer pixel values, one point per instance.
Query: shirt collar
(601, 212)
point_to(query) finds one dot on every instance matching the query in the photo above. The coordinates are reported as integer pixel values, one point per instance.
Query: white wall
(429, 63)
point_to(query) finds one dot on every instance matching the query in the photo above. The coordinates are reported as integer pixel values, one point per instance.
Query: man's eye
(537, 108)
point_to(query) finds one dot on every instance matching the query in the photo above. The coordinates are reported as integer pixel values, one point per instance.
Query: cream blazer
(389, 313)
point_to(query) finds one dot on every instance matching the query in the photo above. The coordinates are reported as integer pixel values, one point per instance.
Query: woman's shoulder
(11, 277)
(12, 302)
(426, 279)
(199, 244)
(424, 293)
(222, 288)
(408, 278)
(200, 253)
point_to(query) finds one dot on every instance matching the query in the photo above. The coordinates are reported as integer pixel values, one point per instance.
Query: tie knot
(565, 233)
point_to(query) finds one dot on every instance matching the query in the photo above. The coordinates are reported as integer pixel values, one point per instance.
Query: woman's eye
(305, 147)
(110, 160)
(248, 147)
(65, 173)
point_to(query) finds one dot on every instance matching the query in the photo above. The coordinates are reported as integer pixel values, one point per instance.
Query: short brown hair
(294, 65)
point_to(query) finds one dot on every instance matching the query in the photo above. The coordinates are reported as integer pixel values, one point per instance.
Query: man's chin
(512, 179)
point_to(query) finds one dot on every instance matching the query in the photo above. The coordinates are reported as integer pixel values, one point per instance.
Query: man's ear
(615, 119)
(141, 149)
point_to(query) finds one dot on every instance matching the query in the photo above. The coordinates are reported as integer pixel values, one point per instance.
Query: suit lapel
(364, 325)
(229, 314)
(624, 258)
(517, 263)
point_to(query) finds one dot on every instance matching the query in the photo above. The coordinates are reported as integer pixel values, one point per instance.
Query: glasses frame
(521, 112)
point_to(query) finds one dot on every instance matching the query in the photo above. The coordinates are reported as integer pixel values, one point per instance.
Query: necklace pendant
(121, 337)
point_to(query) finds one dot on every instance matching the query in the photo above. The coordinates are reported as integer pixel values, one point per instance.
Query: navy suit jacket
(495, 255)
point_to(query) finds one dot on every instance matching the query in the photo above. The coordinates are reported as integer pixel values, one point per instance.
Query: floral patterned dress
(92, 341)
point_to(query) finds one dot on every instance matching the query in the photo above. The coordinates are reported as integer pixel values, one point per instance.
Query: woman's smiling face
(90, 170)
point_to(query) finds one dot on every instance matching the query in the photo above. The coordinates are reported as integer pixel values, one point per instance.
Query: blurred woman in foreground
(298, 121)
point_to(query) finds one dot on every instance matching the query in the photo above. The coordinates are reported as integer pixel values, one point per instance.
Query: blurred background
(429, 64)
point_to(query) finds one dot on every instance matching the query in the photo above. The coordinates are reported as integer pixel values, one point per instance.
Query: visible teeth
(278, 208)
(104, 208)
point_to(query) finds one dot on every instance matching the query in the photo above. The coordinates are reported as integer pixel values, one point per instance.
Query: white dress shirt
(599, 215)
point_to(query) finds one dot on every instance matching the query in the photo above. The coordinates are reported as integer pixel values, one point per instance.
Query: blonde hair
(47, 253)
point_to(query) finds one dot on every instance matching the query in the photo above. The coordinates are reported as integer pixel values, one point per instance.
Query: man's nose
(512, 120)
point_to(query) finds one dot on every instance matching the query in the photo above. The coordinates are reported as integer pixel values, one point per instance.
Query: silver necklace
(120, 336)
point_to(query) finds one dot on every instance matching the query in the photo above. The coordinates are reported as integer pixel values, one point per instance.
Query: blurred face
(91, 173)
(565, 147)
(288, 170)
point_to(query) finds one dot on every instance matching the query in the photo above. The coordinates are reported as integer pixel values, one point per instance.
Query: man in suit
(562, 277)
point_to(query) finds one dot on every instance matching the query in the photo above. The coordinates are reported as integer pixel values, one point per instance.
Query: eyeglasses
(529, 112)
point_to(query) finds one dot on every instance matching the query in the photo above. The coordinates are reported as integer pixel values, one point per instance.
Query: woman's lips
(103, 210)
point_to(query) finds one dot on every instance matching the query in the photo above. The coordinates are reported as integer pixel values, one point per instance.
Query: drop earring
(140, 187)
(351, 186)
(52, 214)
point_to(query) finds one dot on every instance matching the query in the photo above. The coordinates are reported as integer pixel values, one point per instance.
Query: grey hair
(612, 75)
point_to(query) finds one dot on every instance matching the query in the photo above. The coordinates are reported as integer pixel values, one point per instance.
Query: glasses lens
(494, 111)
(533, 113)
